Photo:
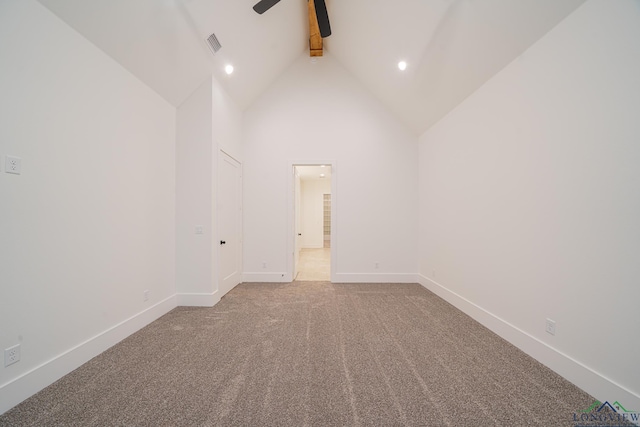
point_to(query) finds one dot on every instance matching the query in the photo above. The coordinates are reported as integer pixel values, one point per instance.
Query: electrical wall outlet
(13, 164)
(199, 229)
(11, 355)
(146, 295)
(551, 327)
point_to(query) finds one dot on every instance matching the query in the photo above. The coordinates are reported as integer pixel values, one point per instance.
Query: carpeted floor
(309, 354)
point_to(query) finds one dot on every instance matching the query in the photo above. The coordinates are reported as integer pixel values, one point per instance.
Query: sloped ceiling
(452, 47)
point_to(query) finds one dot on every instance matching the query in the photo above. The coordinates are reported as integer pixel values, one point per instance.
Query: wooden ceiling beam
(315, 40)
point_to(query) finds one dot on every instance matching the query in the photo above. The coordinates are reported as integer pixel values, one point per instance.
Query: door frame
(291, 206)
(297, 221)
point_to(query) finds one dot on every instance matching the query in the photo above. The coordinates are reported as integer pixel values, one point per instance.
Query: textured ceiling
(451, 46)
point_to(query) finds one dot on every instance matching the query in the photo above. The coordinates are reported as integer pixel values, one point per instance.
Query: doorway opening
(313, 228)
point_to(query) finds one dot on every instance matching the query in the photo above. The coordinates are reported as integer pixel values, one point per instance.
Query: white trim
(198, 300)
(374, 278)
(597, 385)
(34, 380)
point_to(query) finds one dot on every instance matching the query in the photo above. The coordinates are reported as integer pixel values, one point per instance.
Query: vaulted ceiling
(452, 47)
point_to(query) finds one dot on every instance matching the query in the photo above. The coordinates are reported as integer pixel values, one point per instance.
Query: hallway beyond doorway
(314, 265)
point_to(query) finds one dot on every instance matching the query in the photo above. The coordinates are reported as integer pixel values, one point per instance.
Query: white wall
(318, 112)
(226, 121)
(312, 195)
(529, 201)
(89, 225)
(194, 199)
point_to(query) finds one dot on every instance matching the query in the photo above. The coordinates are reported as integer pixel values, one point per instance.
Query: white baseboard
(267, 277)
(582, 376)
(198, 300)
(335, 278)
(374, 278)
(29, 383)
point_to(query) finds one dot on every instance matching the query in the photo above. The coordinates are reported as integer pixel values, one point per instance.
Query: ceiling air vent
(213, 43)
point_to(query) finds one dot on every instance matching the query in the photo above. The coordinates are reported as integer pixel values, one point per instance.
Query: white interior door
(229, 223)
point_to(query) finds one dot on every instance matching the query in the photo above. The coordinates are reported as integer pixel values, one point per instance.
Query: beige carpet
(309, 354)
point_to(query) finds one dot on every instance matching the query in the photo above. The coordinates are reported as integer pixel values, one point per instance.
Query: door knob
(222, 242)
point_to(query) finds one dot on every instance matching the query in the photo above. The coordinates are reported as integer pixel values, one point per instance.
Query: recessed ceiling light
(228, 69)
(402, 65)
(323, 166)
(322, 175)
